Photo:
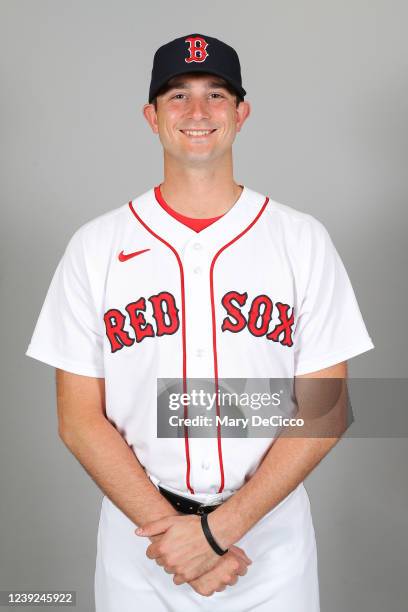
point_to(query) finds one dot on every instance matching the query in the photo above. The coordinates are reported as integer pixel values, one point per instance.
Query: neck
(198, 191)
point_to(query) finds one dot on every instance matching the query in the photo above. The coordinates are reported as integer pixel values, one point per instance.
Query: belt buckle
(201, 509)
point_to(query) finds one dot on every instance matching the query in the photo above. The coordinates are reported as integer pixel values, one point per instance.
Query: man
(198, 277)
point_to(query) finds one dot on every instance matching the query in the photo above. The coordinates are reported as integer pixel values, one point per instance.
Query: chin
(194, 156)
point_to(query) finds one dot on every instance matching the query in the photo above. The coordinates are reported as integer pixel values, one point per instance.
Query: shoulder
(293, 224)
(99, 231)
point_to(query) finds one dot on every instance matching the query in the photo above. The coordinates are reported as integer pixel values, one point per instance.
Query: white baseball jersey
(137, 295)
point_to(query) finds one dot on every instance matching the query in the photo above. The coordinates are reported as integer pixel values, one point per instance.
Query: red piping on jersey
(183, 332)
(215, 334)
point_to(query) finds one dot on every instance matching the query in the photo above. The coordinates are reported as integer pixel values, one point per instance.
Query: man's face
(197, 119)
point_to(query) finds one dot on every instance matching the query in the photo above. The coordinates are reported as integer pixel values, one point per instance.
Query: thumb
(155, 527)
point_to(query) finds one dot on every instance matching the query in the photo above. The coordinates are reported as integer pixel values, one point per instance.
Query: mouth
(197, 133)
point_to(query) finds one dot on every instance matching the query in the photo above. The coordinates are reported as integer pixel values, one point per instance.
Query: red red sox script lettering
(166, 320)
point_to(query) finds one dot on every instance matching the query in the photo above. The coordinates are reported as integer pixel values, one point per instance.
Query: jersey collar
(213, 237)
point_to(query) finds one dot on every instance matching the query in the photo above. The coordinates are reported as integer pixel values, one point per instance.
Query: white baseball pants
(283, 576)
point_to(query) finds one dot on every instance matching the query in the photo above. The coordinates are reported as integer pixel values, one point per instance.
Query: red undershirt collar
(195, 224)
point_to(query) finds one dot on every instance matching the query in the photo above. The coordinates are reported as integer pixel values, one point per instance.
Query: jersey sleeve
(68, 334)
(329, 327)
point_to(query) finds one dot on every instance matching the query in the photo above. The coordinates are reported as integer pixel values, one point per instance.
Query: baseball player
(202, 277)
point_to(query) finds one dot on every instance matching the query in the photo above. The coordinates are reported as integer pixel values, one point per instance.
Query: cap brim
(240, 90)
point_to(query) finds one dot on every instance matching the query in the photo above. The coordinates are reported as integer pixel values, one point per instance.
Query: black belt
(185, 505)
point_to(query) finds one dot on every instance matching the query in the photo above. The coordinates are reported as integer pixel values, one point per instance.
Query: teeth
(197, 132)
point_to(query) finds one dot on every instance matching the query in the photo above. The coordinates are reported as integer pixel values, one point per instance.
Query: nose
(198, 109)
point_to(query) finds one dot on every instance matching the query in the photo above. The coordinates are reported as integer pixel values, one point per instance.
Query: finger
(240, 553)
(236, 566)
(203, 585)
(177, 579)
(241, 563)
(156, 527)
(152, 552)
(168, 569)
(199, 566)
(155, 538)
(159, 561)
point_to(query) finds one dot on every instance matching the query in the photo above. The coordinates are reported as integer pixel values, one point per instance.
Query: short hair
(223, 83)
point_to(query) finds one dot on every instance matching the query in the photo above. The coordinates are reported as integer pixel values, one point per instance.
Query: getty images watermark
(210, 402)
(295, 407)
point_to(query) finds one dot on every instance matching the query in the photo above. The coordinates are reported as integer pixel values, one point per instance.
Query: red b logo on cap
(197, 49)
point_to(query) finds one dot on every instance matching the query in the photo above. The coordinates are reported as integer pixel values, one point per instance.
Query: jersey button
(197, 270)
(199, 352)
(205, 465)
(197, 246)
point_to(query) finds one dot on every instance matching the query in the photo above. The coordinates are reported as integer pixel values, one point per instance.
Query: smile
(197, 133)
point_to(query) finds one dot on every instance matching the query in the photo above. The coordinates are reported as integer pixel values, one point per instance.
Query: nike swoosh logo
(125, 256)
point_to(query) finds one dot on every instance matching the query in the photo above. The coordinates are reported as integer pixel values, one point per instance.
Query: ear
(150, 115)
(243, 112)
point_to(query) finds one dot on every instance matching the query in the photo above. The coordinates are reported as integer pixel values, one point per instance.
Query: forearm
(285, 466)
(113, 466)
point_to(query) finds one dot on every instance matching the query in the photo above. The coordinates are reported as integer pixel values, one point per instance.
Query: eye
(217, 95)
(177, 96)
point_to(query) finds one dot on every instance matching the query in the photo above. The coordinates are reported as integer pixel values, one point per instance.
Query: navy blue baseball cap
(195, 53)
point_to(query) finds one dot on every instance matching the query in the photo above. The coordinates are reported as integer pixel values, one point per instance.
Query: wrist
(225, 531)
(157, 515)
(210, 536)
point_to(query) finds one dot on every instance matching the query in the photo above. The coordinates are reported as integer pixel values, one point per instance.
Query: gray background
(328, 135)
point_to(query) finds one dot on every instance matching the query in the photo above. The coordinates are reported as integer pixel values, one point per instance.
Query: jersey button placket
(196, 263)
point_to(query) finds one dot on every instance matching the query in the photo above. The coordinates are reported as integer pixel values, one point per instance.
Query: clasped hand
(181, 548)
